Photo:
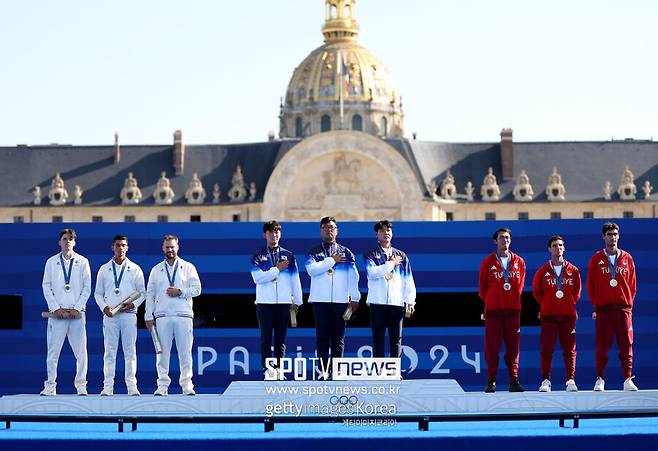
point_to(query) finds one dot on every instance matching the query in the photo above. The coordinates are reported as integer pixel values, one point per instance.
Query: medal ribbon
(613, 267)
(274, 255)
(67, 277)
(172, 279)
(387, 254)
(117, 282)
(505, 270)
(328, 251)
(558, 277)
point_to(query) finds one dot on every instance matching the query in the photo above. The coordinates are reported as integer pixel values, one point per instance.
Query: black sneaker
(515, 387)
(491, 387)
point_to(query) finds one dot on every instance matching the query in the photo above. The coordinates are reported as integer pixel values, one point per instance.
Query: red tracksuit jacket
(491, 283)
(544, 289)
(601, 294)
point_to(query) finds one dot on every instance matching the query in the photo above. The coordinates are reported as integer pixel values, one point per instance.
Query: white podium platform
(311, 398)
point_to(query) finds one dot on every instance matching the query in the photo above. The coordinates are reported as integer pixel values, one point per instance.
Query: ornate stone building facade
(341, 151)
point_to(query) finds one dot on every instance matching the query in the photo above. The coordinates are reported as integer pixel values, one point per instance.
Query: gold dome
(345, 66)
(341, 73)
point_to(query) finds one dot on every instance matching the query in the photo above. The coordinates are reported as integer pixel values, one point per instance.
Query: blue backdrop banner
(445, 258)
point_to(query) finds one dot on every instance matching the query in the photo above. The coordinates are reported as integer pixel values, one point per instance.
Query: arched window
(298, 127)
(325, 123)
(357, 123)
(384, 127)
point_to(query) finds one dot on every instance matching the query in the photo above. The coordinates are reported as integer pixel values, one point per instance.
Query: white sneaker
(161, 391)
(571, 385)
(48, 391)
(629, 385)
(107, 391)
(82, 391)
(189, 392)
(132, 391)
(545, 386)
(599, 385)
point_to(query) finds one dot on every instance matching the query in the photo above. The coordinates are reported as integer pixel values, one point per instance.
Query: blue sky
(76, 71)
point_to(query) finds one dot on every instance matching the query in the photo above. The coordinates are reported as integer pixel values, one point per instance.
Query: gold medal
(388, 276)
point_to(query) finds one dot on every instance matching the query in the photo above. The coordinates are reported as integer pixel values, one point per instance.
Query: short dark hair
(170, 237)
(608, 226)
(383, 223)
(554, 238)
(327, 219)
(501, 230)
(119, 238)
(67, 232)
(271, 226)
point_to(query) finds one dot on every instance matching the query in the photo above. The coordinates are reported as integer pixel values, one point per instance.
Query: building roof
(101, 179)
(584, 167)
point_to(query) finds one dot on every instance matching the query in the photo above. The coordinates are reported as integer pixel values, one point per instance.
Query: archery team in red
(557, 288)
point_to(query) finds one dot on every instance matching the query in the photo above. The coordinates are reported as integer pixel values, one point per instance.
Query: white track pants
(176, 328)
(123, 325)
(58, 331)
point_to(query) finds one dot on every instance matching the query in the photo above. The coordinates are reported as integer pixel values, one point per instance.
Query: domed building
(341, 85)
(341, 152)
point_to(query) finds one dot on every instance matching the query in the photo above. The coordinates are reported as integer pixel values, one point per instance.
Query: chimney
(179, 152)
(507, 153)
(117, 148)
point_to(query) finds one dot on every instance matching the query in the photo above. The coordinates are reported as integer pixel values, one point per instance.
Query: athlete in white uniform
(66, 287)
(172, 285)
(116, 281)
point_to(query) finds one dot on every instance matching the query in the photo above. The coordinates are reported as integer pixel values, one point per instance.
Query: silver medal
(507, 286)
(613, 282)
(67, 287)
(559, 294)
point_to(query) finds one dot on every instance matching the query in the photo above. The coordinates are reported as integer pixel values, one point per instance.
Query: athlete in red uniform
(502, 276)
(611, 289)
(556, 286)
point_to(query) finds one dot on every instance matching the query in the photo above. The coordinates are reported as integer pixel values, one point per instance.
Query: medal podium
(418, 401)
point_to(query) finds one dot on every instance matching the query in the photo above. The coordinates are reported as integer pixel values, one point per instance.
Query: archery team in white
(119, 292)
